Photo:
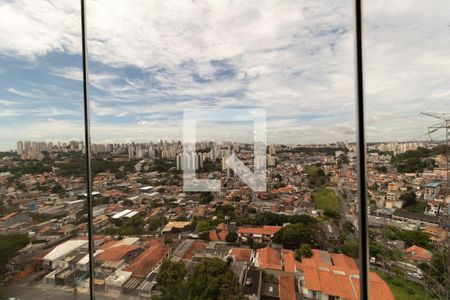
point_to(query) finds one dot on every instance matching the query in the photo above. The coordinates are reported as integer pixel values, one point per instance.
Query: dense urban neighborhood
(296, 240)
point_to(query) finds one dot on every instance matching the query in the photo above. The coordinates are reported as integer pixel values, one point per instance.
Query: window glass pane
(43, 241)
(161, 71)
(406, 70)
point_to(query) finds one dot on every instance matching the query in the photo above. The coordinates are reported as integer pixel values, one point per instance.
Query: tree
(213, 279)
(231, 237)
(206, 197)
(127, 203)
(437, 273)
(202, 226)
(155, 223)
(382, 169)
(380, 251)
(10, 244)
(316, 177)
(171, 280)
(351, 248)
(293, 235)
(132, 226)
(410, 237)
(342, 160)
(303, 251)
(409, 198)
(204, 236)
(57, 189)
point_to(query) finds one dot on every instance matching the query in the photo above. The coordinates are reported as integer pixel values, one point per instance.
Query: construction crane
(444, 124)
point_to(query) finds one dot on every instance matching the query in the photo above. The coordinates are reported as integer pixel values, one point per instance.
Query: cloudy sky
(149, 60)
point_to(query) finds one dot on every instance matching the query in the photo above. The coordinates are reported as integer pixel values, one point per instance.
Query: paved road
(57, 293)
(405, 276)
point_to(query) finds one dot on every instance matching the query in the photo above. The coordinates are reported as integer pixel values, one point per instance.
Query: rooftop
(64, 249)
(265, 230)
(148, 260)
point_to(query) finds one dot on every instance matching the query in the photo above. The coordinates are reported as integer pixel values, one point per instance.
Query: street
(57, 293)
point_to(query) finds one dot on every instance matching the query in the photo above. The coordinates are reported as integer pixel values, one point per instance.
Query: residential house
(432, 189)
(258, 234)
(418, 254)
(148, 260)
(336, 276)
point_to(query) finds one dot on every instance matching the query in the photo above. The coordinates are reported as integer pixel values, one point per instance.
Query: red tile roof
(418, 253)
(116, 253)
(287, 287)
(269, 258)
(289, 263)
(213, 236)
(338, 275)
(8, 216)
(241, 254)
(221, 226)
(265, 230)
(148, 260)
(196, 246)
(29, 269)
(218, 236)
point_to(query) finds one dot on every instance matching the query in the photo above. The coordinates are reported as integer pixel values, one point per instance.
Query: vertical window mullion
(87, 148)
(361, 155)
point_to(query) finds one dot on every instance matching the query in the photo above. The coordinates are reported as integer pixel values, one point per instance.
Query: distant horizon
(13, 149)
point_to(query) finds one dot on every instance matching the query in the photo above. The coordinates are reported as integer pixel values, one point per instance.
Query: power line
(443, 125)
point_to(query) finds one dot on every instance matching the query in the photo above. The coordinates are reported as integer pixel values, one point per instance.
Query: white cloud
(34, 28)
(19, 92)
(72, 73)
(293, 57)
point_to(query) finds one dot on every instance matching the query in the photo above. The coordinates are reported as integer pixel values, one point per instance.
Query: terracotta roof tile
(213, 236)
(287, 288)
(269, 258)
(241, 254)
(116, 253)
(418, 253)
(196, 246)
(266, 230)
(289, 263)
(338, 275)
(148, 260)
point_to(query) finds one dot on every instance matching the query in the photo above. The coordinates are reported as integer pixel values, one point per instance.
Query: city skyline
(145, 69)
(66, 143)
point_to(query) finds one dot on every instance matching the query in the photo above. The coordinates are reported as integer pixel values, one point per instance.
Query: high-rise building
(271, 160)
(19, 148)
(272, 150)
(191, 161)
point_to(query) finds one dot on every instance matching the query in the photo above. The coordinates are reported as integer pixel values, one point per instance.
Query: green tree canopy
(303, 251)
(231, 237)
(293, 235)
(437, 273)
(213, 279)
(409, 198)
(171, 280)
(10, 244)
(202, 226)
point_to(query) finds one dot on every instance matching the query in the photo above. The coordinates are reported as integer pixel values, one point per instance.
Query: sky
(150, 60)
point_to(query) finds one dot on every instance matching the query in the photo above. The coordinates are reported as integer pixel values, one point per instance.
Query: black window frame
(361, 150)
